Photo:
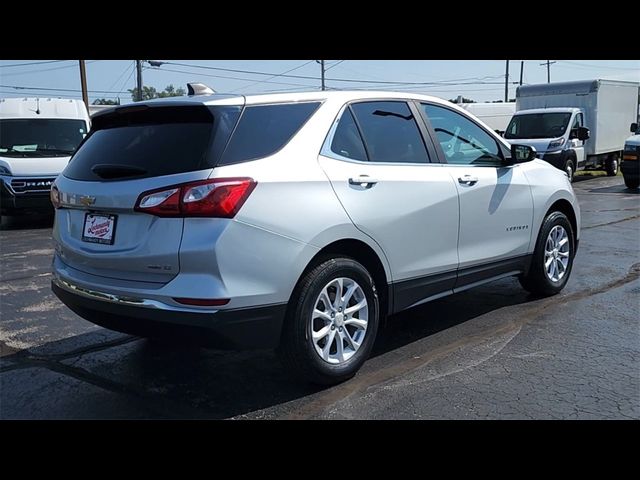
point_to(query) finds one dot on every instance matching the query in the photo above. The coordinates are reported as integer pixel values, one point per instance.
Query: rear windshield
(153, 141)
(40, 137)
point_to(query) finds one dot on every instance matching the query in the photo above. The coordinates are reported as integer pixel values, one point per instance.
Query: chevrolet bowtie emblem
(87, 200)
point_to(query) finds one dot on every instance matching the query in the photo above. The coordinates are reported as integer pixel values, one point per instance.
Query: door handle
(467, 180)
(362, 180)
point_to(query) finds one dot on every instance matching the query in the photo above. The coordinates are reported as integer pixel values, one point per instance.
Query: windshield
(538, 125)
(40, 137)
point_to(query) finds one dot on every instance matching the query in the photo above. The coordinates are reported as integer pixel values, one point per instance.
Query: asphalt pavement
(492, 352)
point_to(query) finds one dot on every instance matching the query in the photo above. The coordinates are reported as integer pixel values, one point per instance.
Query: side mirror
(522, 153)
(499, 132)
(583, 133)
(634, 127)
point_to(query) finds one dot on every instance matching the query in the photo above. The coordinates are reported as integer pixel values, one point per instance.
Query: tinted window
(347, 140)
(538, 125)
(158, 140)
(40, 137)
(265, 129)
(390, 132)
(462, 140)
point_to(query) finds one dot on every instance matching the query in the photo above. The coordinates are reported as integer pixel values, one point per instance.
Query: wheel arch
(362, 253)
(565, 207)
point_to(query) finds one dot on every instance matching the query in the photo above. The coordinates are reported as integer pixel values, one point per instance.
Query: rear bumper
(246, 328)
(11, 203)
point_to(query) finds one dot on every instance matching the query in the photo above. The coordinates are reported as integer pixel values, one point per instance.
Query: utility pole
(521, 70)
(83, 83)
(548, 63)
(322, 75)
(139, 82)
(506, 84)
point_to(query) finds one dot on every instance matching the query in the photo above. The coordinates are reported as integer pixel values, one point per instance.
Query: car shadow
(26, 222)
(615, 189)
(185, 381)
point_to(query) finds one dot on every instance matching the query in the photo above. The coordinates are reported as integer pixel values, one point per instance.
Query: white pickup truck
(37, 138)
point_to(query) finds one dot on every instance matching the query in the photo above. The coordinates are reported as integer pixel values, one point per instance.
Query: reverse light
(215, 197)
(555, 143)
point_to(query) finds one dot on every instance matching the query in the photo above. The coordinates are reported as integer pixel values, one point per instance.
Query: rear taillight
(55, 197)
(216, 197)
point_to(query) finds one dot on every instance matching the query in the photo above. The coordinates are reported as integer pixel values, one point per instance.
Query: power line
(45, 69)
(33, 63)
(227, 77)
(126, 69)
(274, 76)
(133, 69)
(334, 65)
(307, 77)
(17, 87)
(589, 65)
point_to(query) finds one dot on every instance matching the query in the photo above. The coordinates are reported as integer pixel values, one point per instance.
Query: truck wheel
(612, 166)
(331, 322)
(570, 168)
(632, 182)
(553, 257)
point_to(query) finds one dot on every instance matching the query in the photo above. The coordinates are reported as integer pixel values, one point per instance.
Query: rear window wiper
(109, 171)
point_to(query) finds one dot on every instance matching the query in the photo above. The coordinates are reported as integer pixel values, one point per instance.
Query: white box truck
(575, 125)
(37, 138)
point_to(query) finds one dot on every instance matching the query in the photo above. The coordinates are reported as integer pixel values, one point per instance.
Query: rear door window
(265, 129)
(390, 132)
(155, 141)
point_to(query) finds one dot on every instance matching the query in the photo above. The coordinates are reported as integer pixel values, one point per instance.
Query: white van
(37, 138)
(495, 115)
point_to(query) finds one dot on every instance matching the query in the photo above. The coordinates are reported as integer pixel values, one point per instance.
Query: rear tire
(632, 182)
(612, 166)
(544, 278)
(570, 168)
(349, 332)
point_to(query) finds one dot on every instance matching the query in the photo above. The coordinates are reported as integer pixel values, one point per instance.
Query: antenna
(199, 89)
(37, 105)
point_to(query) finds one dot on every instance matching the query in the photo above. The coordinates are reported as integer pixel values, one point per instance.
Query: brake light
(215, 197)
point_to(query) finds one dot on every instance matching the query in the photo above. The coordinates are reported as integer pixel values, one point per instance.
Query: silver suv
(299, 220)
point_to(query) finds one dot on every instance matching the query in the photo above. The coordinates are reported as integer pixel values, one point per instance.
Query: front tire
(552, 258)
(570, 168)
(331, 323)
(632, 183)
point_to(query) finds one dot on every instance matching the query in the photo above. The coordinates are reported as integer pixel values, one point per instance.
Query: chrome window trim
(326, 151)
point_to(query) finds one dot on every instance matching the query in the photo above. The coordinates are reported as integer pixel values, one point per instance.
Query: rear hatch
(130, 151)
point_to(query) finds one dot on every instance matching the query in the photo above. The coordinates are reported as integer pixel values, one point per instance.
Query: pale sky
(480, 80)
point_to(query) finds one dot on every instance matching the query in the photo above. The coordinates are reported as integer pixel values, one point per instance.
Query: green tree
(149, 93)
(106, 101)
(464, 100)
